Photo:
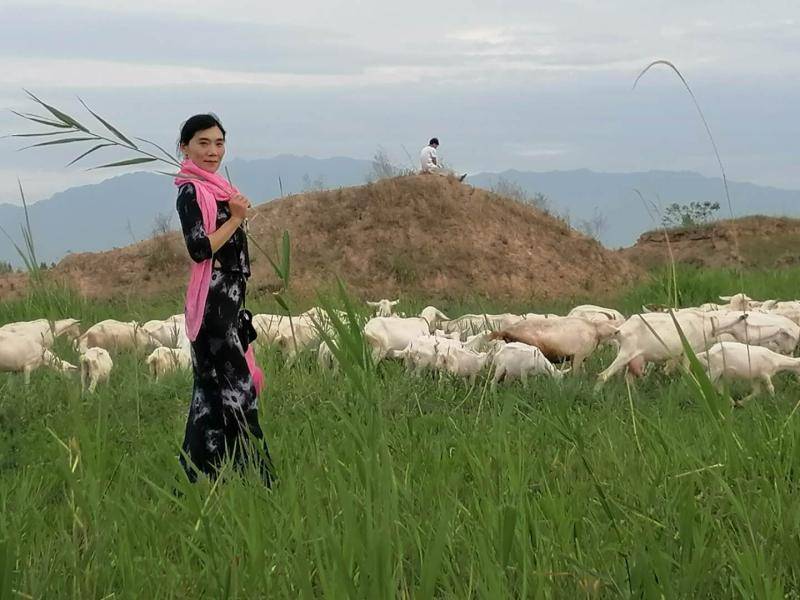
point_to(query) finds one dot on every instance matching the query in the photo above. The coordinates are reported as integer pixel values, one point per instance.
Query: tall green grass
(696, 285)
(399, 487)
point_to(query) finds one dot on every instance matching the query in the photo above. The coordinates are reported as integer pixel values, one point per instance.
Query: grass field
(398, 488)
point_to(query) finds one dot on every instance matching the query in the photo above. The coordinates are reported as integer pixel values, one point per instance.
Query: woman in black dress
(223, 416)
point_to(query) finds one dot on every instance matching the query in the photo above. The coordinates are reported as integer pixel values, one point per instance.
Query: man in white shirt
(429, 162)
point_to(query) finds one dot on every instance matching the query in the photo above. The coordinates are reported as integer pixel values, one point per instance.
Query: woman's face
(206, 149)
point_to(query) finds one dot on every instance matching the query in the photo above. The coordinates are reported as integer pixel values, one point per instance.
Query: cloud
(71, 73)
(175, 42)
(114, 49)
(482, 35)
(537, 150)
(505, 85)
(189, 42)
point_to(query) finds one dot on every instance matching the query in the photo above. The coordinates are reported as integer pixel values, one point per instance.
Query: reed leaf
(20, 251)
(73, 161)
(28, 253)
(70, 125)
(108, 125)
(273, 264)
(28, 231)
(129, 161)
(171, 158)
(42, 120)
(62, 141)
(62, 116)
(35, 134)
(284, 305)
(286, 249)
(672, 292)
(347, 341)
(699, 377)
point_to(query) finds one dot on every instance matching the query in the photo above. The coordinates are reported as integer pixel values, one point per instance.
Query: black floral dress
(223, 416)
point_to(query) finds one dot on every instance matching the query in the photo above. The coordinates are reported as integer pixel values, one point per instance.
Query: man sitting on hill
(429, 162)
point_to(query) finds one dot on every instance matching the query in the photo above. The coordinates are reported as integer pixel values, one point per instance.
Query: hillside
(757, 242)
(124, 209)
(411, 235)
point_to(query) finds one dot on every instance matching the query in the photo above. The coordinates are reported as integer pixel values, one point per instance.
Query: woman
(223, 416)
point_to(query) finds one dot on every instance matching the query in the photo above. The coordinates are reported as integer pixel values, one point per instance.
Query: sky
(505, 84)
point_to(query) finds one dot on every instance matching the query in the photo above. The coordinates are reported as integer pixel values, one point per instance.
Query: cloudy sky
(503, 84)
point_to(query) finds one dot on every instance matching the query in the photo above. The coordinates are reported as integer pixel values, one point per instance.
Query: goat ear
(395, 302)
(371, 303)
(725, 298)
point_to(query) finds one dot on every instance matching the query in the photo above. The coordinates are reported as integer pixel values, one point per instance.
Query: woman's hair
(198, 123)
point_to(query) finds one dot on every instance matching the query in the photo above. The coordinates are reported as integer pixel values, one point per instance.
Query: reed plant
(27, 249)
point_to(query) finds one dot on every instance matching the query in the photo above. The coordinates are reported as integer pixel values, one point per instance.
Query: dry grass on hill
(752, 242)
(420, 235)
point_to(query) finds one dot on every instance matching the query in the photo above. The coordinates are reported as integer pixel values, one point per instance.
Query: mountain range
(127, 208)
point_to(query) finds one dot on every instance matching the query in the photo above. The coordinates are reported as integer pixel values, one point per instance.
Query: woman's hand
(239, 206)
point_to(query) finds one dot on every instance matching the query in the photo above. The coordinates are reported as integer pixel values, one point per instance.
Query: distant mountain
(124, 209)
(120, 210)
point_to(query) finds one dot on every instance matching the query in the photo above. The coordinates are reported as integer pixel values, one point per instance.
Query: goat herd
(740, 339)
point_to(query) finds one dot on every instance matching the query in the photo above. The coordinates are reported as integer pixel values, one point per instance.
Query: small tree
(689, 215)
(511, 189)
(162, 224)
(162, 250)
(5, 267)
(594, 226)
(313, 185)
(382, 167)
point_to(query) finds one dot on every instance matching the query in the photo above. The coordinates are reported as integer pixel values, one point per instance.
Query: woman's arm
(223, 233)
(202, 246)
(194, 232)
(238, 206)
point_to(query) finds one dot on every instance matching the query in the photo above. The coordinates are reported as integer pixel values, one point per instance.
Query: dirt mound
(420, 235)
(145, 269)
(753, 242)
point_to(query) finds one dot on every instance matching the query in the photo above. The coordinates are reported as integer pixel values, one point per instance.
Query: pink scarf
(210, 188)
